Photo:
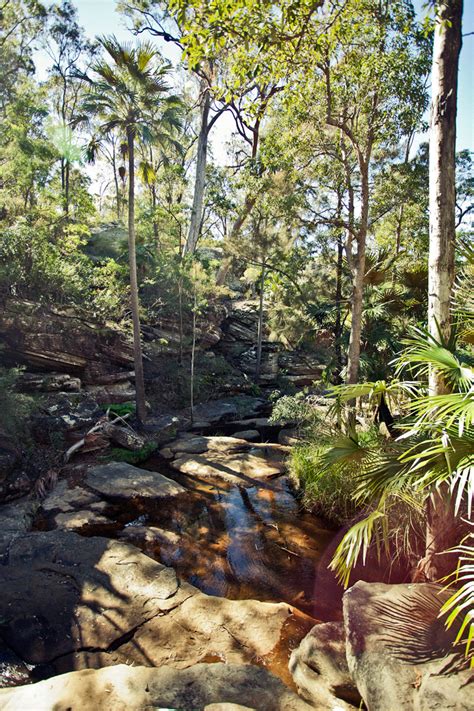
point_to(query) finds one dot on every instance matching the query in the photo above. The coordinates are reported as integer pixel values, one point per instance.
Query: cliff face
(63, 340)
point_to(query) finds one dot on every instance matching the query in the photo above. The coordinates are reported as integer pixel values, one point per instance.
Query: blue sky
(98, 17)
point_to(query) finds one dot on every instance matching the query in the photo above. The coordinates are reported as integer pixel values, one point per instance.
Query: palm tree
(129, 94)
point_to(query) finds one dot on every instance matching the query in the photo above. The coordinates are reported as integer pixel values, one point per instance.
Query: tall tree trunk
(116, 183)
(353, 358)
(66, 187)
(258, 363)
(442, 166)
(442, 527)
(200, 180)
(132, 258)
(338, 323)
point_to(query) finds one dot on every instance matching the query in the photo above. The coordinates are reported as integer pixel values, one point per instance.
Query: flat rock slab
(248, 435)
(70, 602)
(122, 688)
(398, 651)
(231, 408)
(65, 500)
(119, 480)
(237, 468)
(198, 445)
(62, 592)
(81, 520)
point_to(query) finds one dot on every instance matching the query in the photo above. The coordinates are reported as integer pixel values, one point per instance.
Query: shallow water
(237, 542)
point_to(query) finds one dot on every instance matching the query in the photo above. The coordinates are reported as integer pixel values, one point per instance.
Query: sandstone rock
(99, 602)
(8, 462)
(61, 339)
(64, 500)
(122, 688)
(15, 520)
(288, 436)
(239, 468)
(198, 445)
(398, 651)
(81, 520)
(248, 435)
(51, 382)
(114, 393)
(319, 669)
(216, 411)
(162, 429)
(119, 480)
(124, 436)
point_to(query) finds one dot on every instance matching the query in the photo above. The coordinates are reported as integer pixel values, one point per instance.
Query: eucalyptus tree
(124, 96)
(162, 19)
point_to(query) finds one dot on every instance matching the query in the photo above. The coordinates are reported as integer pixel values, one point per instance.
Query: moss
(117, 454)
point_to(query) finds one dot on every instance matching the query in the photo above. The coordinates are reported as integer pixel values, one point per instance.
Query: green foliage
(459, 608)
(121, 409)
(117, 454)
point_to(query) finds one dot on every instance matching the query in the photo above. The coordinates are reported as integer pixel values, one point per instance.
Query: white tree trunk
(442, 202)
(132, 259)
(200, 180)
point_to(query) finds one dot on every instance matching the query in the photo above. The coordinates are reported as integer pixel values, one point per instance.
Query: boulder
(319, 669)
(99, 602)
(398, 651)
(223, 410)
(119, 480)
(248, 435)
(204, 687)
(162, 429)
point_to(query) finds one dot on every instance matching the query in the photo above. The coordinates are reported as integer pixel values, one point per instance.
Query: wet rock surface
(205, 687)
(228, 459)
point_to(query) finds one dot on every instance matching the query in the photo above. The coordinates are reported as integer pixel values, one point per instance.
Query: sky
(99, 17)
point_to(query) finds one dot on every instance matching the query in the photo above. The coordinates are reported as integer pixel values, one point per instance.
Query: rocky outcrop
(61, 340)
(205, 687)
(398, 651)
(99, 602)
(238, 345)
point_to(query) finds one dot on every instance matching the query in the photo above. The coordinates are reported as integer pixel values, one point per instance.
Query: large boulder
(217, 411)
(398, 651)
(99, 602)
(319, 669)
(204, 687)
(119, 480)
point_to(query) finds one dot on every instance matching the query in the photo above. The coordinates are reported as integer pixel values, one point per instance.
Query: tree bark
(442, 531)
(258, 363)
(200, 180)
(442, 166)
(137, 346)
(353, 357)
(338, 322)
